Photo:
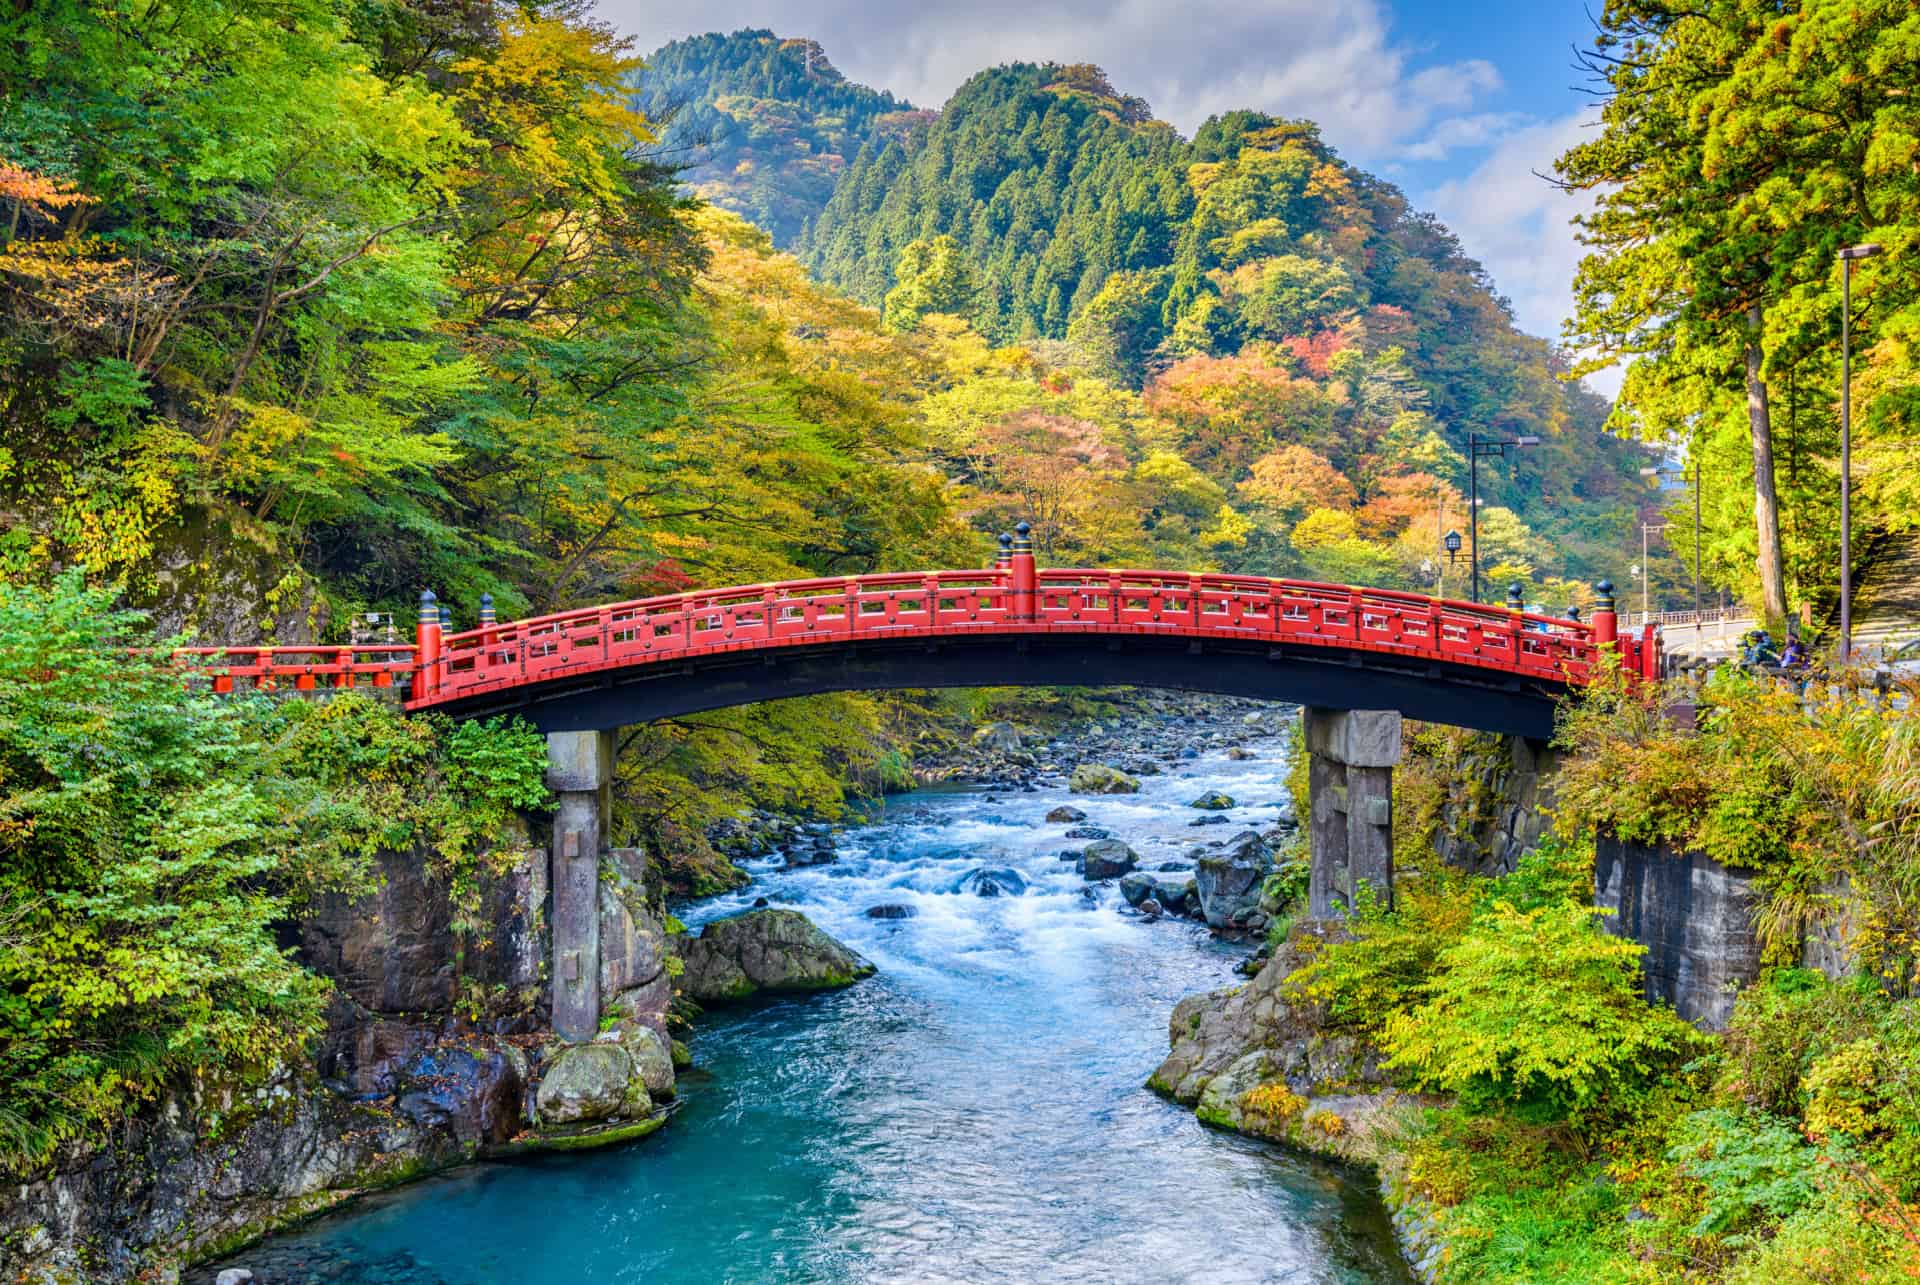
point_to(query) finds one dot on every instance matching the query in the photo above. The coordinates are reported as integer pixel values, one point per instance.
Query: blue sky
(1457, 102)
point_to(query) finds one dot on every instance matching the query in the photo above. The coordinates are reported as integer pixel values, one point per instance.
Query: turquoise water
(973, 1113)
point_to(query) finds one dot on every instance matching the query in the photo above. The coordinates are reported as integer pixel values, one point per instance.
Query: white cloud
(1334, 63)
(1457, 132)
(1520, 226)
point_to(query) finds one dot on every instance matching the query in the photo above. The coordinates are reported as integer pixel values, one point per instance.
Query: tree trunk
(1766, 502)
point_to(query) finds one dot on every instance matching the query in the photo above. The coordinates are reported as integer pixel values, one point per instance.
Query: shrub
(1840, 1238)
(1782, 1026)
(1273, 1099)
(1537, 1010)
(1751, 1168)
(1363, 982)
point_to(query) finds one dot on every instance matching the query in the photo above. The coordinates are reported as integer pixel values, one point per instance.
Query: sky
(1460, 103)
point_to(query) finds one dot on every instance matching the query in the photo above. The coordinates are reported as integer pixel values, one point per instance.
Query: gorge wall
(437, 1052)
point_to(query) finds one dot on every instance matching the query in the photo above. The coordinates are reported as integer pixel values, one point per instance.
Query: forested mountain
(1281, 329)
(761, 125)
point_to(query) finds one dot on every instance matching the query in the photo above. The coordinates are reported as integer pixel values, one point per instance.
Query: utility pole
(1847, 258)
(1698, 624)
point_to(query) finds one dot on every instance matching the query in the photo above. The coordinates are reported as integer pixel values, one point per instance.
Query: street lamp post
(1476, 447)
(1698, 612)
(1646, 569)
(1847, 258)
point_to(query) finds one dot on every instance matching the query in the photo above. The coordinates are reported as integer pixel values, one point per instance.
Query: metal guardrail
(1712, 616)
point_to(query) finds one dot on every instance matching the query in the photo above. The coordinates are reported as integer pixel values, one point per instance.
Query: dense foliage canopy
(1745, 143)
(761, 125)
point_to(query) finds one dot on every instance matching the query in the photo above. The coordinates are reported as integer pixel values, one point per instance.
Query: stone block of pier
(580, 773)
(1351, 756)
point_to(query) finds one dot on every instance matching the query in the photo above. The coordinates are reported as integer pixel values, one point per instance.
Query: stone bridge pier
(1351, 754)
(580, 773)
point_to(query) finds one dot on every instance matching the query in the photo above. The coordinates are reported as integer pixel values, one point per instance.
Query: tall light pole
(1698, 623)
(1646, 571)
(1848, 256)
(1476, 447)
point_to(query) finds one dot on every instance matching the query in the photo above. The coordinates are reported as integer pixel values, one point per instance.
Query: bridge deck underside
(1333, 678)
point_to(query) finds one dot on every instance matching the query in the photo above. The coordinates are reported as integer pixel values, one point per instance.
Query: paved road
(1712, 640)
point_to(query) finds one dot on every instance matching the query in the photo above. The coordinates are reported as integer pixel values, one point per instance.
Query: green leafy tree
(1541, 1011)
(933, 277)
(151, 840)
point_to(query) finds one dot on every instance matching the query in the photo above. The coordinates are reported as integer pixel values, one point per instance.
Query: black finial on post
(487, 616)
(429, 607)
(1022, 538)
(1516, 597)
(1573, 612)
(1605, 590)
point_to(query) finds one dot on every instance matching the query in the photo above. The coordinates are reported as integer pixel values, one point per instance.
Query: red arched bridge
(1331, 646)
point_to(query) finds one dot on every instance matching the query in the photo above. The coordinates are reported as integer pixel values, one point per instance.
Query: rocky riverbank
(1259, 1060)
(438, 1051)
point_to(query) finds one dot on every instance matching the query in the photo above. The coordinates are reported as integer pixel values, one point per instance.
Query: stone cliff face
(436, 1053)
(1496, 805)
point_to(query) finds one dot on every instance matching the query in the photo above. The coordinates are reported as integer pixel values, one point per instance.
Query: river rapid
(973, 1113)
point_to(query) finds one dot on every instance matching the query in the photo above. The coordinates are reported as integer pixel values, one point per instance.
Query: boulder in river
(1172, 893)
(1065, 814)
(1240, 754)
(1108, 859)
(891, 910)
(584, 1082)
(1212, 818)
(992, 881)
(1000, 737)
(652, 1058)
(1098, 778)
(1213, 801)
(814, 850)
(1229, 880)
(775, 951)
(1089, 832)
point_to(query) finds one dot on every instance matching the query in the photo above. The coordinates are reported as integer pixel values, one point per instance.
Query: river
(973, 1113)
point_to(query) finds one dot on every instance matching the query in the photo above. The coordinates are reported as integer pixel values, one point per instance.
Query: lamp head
(1865, 250)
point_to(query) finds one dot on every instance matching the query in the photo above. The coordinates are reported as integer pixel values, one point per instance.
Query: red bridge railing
(1011, 598)
(300, 669)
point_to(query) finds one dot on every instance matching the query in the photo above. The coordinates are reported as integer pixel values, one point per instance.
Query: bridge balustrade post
(1026, 579)
(426, 678)
(1351, 756)
(580, 773)
(1606, 621)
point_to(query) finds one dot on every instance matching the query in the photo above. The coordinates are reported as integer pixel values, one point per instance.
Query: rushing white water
(972, 1113)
